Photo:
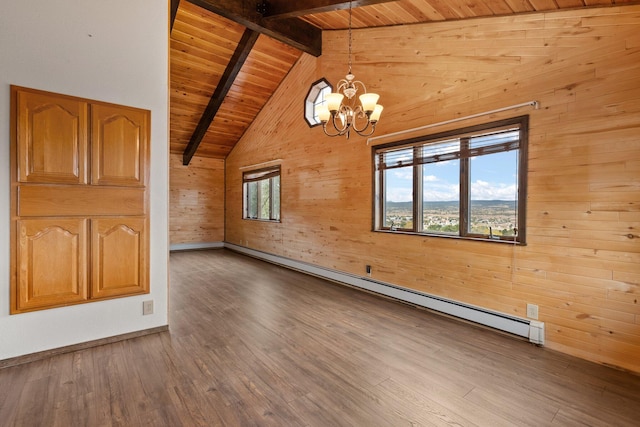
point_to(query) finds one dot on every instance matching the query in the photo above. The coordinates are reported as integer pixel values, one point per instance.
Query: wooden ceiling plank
(291, 31)
(235, 64)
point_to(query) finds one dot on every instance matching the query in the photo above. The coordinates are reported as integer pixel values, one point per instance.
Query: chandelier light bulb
(375, 116)
(323, 113)
(333, 101)
(368, 101)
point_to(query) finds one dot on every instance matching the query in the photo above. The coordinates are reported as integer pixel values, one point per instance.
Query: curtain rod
(267, 163)
(534, 104)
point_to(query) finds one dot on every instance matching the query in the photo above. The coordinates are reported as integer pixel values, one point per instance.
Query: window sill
(450, 236)
(263, 220)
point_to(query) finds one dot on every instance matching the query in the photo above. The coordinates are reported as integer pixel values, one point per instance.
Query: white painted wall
(114, 51)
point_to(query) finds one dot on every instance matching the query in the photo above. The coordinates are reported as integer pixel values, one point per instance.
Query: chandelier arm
(373, 129)
(324, 128)
(366, 126)
(340, 130)
(345, 125)
(358, 113)
(361, 84)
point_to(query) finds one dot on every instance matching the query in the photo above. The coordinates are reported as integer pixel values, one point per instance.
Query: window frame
(258, 176)
(310, 101)
(379, 185)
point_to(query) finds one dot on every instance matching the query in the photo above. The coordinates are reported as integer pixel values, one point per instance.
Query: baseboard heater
(195, 246)
(533, 330)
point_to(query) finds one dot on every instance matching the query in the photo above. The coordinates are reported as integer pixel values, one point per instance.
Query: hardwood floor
(251, 343)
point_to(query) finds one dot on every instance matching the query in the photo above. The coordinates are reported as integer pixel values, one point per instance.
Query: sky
(493, 177)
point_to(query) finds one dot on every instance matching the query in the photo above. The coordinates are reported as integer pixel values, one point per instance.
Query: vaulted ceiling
(229, 56)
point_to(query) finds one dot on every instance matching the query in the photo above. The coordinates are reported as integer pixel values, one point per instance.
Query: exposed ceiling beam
(230, 73)
(291, 31)
(174, 12)
(279, 9)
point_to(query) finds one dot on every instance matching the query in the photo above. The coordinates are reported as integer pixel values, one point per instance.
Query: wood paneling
(196, 199)
(202, 44)
(582, 262)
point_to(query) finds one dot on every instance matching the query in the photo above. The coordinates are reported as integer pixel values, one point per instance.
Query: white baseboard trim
(530, 329)
(195, 246)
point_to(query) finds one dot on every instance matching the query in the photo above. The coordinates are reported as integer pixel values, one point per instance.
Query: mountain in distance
(446, 205)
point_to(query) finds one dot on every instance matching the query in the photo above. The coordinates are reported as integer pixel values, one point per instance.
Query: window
(261, 194)
(315, 98)
(468, 183)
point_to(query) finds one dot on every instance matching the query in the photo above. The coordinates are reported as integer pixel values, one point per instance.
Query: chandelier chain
(350, 13)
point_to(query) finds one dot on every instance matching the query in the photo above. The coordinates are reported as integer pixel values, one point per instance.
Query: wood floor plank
(251, 343)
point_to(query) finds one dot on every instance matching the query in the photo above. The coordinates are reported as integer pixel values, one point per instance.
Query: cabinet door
(52, 138)
(120, 138)
(52, 260)
(119, 257)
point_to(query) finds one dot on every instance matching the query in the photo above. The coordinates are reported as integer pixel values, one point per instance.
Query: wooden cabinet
(79, 200)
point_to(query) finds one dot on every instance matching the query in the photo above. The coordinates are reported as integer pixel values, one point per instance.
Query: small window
(261, 194)
(468, 183)
(315, 98)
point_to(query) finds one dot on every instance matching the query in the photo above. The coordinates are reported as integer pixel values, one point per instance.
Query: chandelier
(342, 113)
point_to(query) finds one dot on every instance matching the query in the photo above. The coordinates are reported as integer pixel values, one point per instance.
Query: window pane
(320, 100)
(398, 202)
(252, 199)
(264, 199)
(440, 151)
(441, 197)
(493, 194)
(276, 197)
(260, 187)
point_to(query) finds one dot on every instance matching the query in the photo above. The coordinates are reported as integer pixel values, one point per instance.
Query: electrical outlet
(532, 311)
(368, 270)
(147, 307)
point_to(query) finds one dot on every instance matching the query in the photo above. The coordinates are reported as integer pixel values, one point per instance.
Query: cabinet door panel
(52, 138)
(119, 257)
(51, 262)
(119, 145)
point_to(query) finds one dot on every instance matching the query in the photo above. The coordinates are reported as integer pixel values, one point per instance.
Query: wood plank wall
(582, 262)
(196, 197)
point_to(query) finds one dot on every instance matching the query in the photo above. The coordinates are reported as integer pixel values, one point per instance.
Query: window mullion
(522, 167)
(418, 203)
(382, 199)
(259, 201)
(245, 191)
(464, 187)
(271, 198)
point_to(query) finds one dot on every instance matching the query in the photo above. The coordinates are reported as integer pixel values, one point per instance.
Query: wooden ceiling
(227, 57)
